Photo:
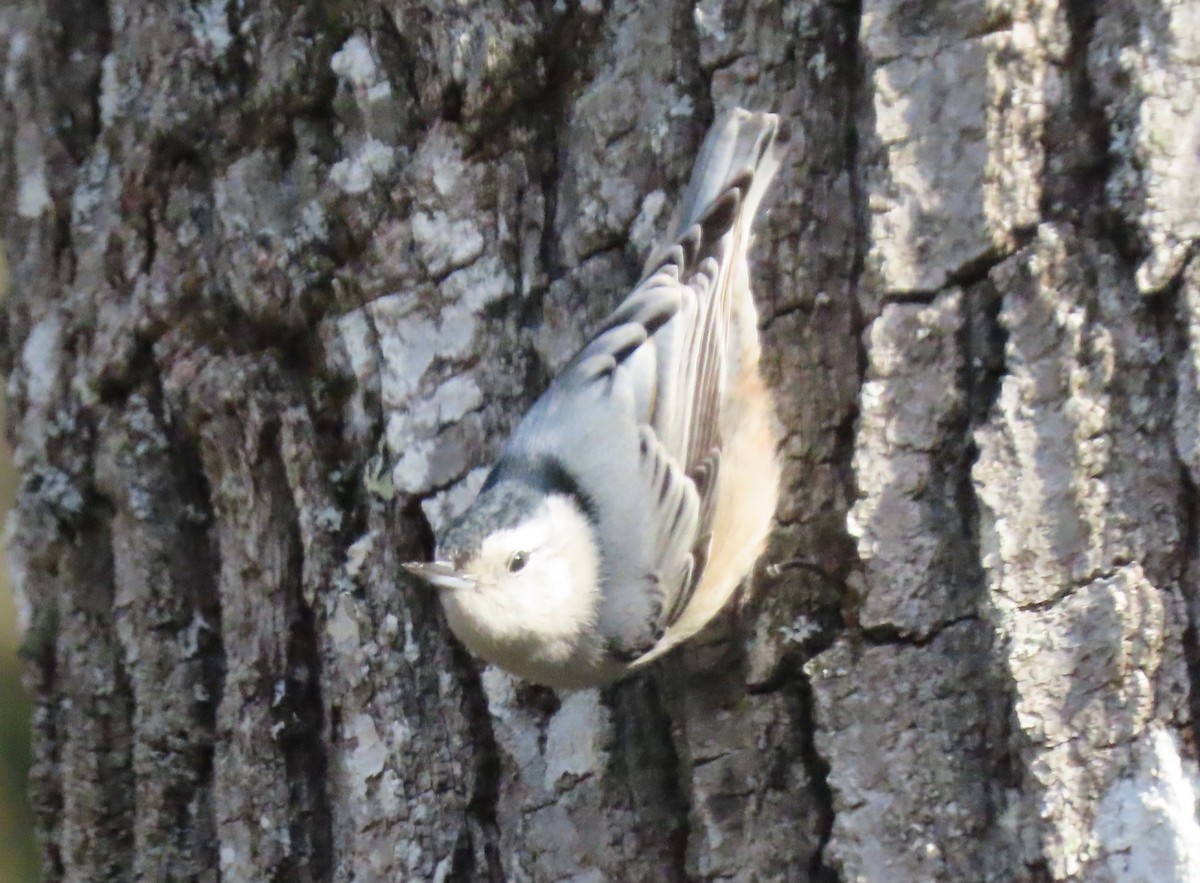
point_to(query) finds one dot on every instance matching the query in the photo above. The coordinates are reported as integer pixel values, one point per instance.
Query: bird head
(518, 576)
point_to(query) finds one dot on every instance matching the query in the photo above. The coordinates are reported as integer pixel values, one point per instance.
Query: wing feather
(662, 353)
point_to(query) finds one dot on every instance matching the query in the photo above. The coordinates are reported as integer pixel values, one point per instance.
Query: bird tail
(739, 141)
(728, 409)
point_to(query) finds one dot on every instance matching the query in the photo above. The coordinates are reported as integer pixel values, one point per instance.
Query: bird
(638, 491)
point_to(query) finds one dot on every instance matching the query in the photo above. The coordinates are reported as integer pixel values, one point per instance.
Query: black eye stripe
(517, 562)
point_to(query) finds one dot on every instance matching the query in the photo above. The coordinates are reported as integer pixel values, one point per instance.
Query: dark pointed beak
(439, 574)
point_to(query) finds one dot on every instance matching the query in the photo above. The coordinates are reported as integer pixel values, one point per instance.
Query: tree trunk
(285, 275)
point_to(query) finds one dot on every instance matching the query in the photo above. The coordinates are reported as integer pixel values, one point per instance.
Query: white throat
(539, 623)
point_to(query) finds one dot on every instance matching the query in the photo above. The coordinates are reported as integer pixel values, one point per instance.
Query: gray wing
(646, 391)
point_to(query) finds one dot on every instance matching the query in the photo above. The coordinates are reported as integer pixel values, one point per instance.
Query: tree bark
(285, 275)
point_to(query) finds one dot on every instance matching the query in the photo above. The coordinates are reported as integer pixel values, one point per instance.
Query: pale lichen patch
(110, 90)
(342, 627)
(446, 243)
(18, 51)
(40, 361)
(365, 761)
(355, 62)
(210, 26)
(33, 194)
(647, 225)
(356, 174)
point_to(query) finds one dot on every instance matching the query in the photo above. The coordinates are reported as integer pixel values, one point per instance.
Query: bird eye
(517, 562)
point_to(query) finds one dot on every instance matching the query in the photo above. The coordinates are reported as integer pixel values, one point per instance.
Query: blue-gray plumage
(638, 491)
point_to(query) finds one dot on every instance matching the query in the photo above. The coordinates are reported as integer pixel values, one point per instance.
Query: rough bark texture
(283, 276)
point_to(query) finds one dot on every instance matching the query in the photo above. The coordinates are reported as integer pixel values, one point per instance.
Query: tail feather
(717, 404)
(740, 141)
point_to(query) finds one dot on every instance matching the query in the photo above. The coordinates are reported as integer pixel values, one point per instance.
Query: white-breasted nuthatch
(638, 491)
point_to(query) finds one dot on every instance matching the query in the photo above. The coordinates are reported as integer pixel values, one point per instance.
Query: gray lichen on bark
(283, 279)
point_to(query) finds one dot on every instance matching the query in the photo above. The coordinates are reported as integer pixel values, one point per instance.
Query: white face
(532, 589)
